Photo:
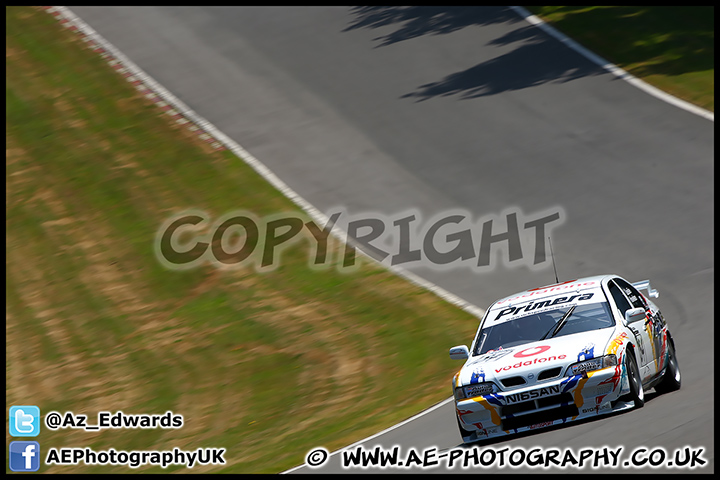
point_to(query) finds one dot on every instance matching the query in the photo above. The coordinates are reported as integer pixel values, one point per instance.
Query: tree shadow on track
(529, 65)
(414, 22)
(538, 58)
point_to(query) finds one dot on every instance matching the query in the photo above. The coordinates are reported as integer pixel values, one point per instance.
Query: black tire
(671, 379)
(637, 392)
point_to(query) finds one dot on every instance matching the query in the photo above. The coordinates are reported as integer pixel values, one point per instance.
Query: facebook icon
(24, 456)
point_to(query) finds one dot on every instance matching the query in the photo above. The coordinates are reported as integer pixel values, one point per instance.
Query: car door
(643, 341)
(653, 324)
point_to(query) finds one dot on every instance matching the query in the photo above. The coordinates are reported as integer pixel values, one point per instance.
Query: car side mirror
(460, 352)
(634, 315)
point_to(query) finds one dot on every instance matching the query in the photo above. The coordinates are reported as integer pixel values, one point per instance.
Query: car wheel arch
(637, 397)
(670, 339)
(631, 349)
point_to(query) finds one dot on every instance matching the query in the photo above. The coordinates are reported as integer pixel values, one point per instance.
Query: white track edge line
(614, 69)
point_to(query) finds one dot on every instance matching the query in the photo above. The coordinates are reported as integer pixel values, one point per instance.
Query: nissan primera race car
(561, 353)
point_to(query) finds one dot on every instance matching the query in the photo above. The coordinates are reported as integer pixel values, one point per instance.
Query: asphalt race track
(386, 109)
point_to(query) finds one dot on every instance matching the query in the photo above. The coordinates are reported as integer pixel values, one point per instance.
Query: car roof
(579, 284)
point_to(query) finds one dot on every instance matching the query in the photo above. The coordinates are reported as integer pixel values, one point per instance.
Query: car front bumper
(542, 405)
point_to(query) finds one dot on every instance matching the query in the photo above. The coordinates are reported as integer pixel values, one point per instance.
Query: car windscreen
(537, 326)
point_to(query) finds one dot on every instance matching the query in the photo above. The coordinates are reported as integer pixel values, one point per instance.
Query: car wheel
(637, 392)
(671, 378)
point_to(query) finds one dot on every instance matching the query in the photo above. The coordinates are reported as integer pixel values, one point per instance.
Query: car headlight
(474, 390)
(592, 364)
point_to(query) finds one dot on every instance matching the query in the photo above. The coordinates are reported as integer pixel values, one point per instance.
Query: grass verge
(265, 365)
(671, 48)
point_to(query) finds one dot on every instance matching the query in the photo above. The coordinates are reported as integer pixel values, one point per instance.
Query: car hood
(531, 359)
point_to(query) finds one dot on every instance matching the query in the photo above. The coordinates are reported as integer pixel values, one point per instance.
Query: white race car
(561, 353)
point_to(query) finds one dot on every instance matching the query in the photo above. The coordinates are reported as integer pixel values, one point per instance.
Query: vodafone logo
(529, 352)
